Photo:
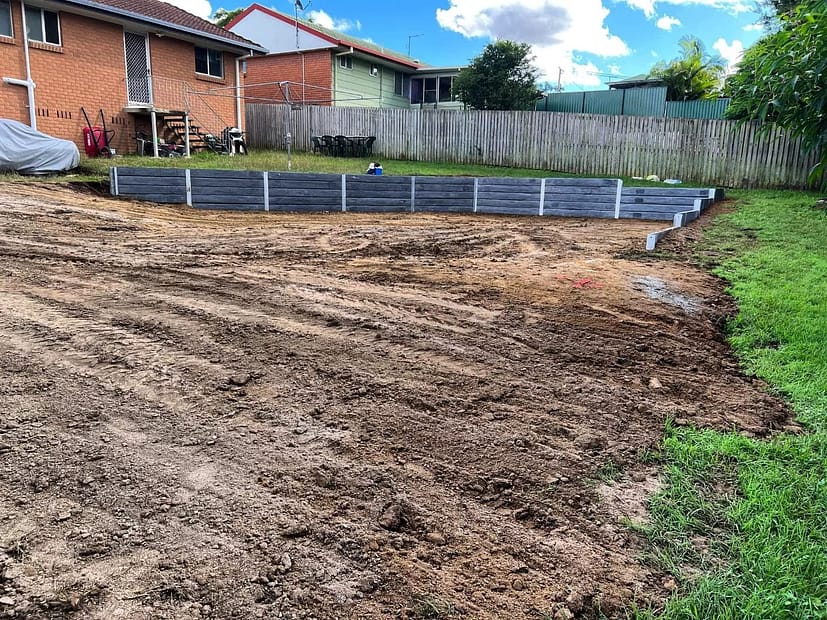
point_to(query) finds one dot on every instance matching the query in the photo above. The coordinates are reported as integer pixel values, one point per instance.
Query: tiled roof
(169, 15)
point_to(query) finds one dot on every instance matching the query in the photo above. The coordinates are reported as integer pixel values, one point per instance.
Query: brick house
(324, 67)
(142, 62)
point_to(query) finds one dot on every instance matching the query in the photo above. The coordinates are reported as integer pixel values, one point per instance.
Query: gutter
(28, 83)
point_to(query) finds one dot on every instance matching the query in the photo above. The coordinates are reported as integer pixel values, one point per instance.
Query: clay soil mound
(339, 416)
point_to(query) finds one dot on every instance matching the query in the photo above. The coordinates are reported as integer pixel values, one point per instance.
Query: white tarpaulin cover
(27, 151)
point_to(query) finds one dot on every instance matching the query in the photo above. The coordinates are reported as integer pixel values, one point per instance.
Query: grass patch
(743, 522)
(427, 606)
(96, 170)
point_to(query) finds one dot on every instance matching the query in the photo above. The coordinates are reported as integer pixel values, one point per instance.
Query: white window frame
(346, 61)
(208, 50)
(43, 12)
(11, 22)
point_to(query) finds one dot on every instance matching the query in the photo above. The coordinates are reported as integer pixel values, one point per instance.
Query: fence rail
(707, 152)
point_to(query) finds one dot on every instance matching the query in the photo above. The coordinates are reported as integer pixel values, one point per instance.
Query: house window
(399, 83)
(346, 62)
(446, 84)
(42, 25)
(374, 70)
(429, 90)
(209, 62)
(5, 20)
(416, 90)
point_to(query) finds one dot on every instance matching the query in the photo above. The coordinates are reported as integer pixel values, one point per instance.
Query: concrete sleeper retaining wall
(244, 190)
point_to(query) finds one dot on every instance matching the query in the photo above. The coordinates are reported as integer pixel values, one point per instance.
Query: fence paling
(700, 150)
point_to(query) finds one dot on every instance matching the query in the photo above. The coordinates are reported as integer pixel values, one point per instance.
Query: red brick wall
(13, 99)
(88, 70)
(317, 77)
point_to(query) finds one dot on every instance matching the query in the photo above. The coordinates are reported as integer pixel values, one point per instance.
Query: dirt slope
(338, 416)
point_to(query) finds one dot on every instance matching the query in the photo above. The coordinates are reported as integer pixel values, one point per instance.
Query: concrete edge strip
(188, 186)
(678, 221)
(266, 177)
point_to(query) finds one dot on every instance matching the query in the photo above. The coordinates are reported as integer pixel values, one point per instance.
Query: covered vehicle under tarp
(28, 151)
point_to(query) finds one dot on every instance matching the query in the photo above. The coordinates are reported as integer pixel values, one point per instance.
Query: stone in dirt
(655, 383)
(435, 538)
(7, 601)
(297, 530)
(392, 518)
(240, 380)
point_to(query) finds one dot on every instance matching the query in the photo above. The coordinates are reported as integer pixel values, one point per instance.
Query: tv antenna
(410, 36)
(298, 5)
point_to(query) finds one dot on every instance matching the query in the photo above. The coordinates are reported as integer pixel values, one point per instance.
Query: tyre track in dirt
(246, 415)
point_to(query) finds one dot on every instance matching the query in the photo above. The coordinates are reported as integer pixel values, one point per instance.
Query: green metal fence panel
(644, 101)
(603, 102)
(702, 108)
(561, 102)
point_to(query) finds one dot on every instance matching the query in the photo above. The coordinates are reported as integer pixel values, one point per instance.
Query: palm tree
(693, 75)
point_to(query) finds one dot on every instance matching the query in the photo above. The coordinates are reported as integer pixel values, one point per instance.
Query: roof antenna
(298, 5)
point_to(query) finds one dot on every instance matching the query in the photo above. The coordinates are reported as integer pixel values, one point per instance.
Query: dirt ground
(340, 416)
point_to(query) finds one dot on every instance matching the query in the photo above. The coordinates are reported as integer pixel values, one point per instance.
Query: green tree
(693, 75)
(222, 17)
(783, 79)
(502, 77)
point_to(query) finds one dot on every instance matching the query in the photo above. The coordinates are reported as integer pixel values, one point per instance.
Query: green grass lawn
(751, 515)
(92, 170)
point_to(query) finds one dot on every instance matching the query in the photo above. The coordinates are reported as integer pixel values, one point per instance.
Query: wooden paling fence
(708, 152)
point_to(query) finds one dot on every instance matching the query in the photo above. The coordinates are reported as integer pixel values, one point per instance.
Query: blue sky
(590, 40)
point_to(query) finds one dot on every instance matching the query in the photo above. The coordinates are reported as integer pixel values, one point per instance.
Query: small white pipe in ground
(154, 120)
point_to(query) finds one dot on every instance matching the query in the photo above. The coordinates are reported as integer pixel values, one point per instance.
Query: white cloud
(731, 53)
(753, 27)
(666, 22)
(731, 6)
(202, 8)
(556, 29)
(326, 21)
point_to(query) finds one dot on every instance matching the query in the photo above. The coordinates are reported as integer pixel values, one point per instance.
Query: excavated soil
(340, 416)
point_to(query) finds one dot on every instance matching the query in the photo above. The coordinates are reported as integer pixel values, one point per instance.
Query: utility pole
(412, 36)
(560, 80)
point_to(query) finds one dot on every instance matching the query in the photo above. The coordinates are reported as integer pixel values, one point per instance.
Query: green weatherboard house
(309, 64)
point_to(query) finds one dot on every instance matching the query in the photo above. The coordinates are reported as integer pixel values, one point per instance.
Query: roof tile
(162, 11)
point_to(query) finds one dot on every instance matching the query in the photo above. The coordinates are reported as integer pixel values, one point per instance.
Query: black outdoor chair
(318, 146)
(329, 145)
(344, 147)
(369, 145)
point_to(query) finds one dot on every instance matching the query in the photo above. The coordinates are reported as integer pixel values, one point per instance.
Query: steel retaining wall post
(618, 197)
(188, 186)
(413, 194)
(266, 177)
(542, 196)
(344, 192)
